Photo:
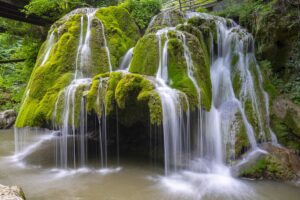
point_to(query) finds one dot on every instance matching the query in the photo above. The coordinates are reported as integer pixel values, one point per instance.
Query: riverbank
(11, 193)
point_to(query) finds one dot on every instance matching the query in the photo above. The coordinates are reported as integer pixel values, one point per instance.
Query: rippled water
(135, 179)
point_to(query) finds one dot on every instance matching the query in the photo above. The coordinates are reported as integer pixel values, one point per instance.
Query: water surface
(134, 179)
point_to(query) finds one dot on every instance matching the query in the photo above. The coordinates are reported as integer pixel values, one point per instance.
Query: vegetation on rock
(55, 74)
(278, 53)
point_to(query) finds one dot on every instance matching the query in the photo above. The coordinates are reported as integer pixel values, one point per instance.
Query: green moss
(257, 170)
(269, 167)
(41, 98)
(178, 70)
(121, 34)
(137, 94)
(146, 61)
(284, 133)
(46, 107)
(48, 80)
(99, 98)
(130, 96)
(265, 67)
(145, 56)
(166, 19)
(235, 75)
(241, 138)
(292, 120)
(252, 117)
(110, 98)
(155, 108)
(207, 27)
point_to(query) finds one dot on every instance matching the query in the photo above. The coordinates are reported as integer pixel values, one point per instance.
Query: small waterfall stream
(125, 64)
(49, 46)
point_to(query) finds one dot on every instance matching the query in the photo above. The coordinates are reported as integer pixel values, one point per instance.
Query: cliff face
(278, 42)
(275, 26)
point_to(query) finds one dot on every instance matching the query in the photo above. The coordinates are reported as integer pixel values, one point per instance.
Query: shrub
(142, 10)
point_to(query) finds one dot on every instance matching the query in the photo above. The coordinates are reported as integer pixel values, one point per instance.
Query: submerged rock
(11, 193)
(7, 119)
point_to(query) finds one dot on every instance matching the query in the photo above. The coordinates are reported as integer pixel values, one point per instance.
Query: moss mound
(130, 96)
(146, 60)
(51, 77)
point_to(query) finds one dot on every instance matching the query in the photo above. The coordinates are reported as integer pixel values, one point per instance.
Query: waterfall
(72, 146)
(215, 128)
(176, 123)
(102, 87)
(84, 51)
(48, 48)
(200, 141)
(69, 124)
(171, 109)
(106, 48)
(126, 60)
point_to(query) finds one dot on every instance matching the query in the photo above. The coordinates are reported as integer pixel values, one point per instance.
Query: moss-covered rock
(285, 122)
(242, 143)
(207, 27)
(165, 19)
(146, 60)
(50, 77)
(121, 34)
(278, 54)
(268, 167)
(133, 94)
(145, 56)
(130, 96)
(278, 164)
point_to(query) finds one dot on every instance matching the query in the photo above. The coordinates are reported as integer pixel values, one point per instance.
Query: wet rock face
(285, 122)
(11, 193)
(7, 119)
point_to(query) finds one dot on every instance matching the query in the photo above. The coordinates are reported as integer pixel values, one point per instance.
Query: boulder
(285, 122)
(11, 193)
(7, 119)
(276, 163)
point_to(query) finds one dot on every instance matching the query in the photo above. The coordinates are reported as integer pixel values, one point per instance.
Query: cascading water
(77, 154)
(49, 46)
(92, 121)
(176, 126)
(203, 141)
(102, 122)
(215, 134)
(235, 43)
(126, 60)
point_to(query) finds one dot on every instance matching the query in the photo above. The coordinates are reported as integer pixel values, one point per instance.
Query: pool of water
(133, 179)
